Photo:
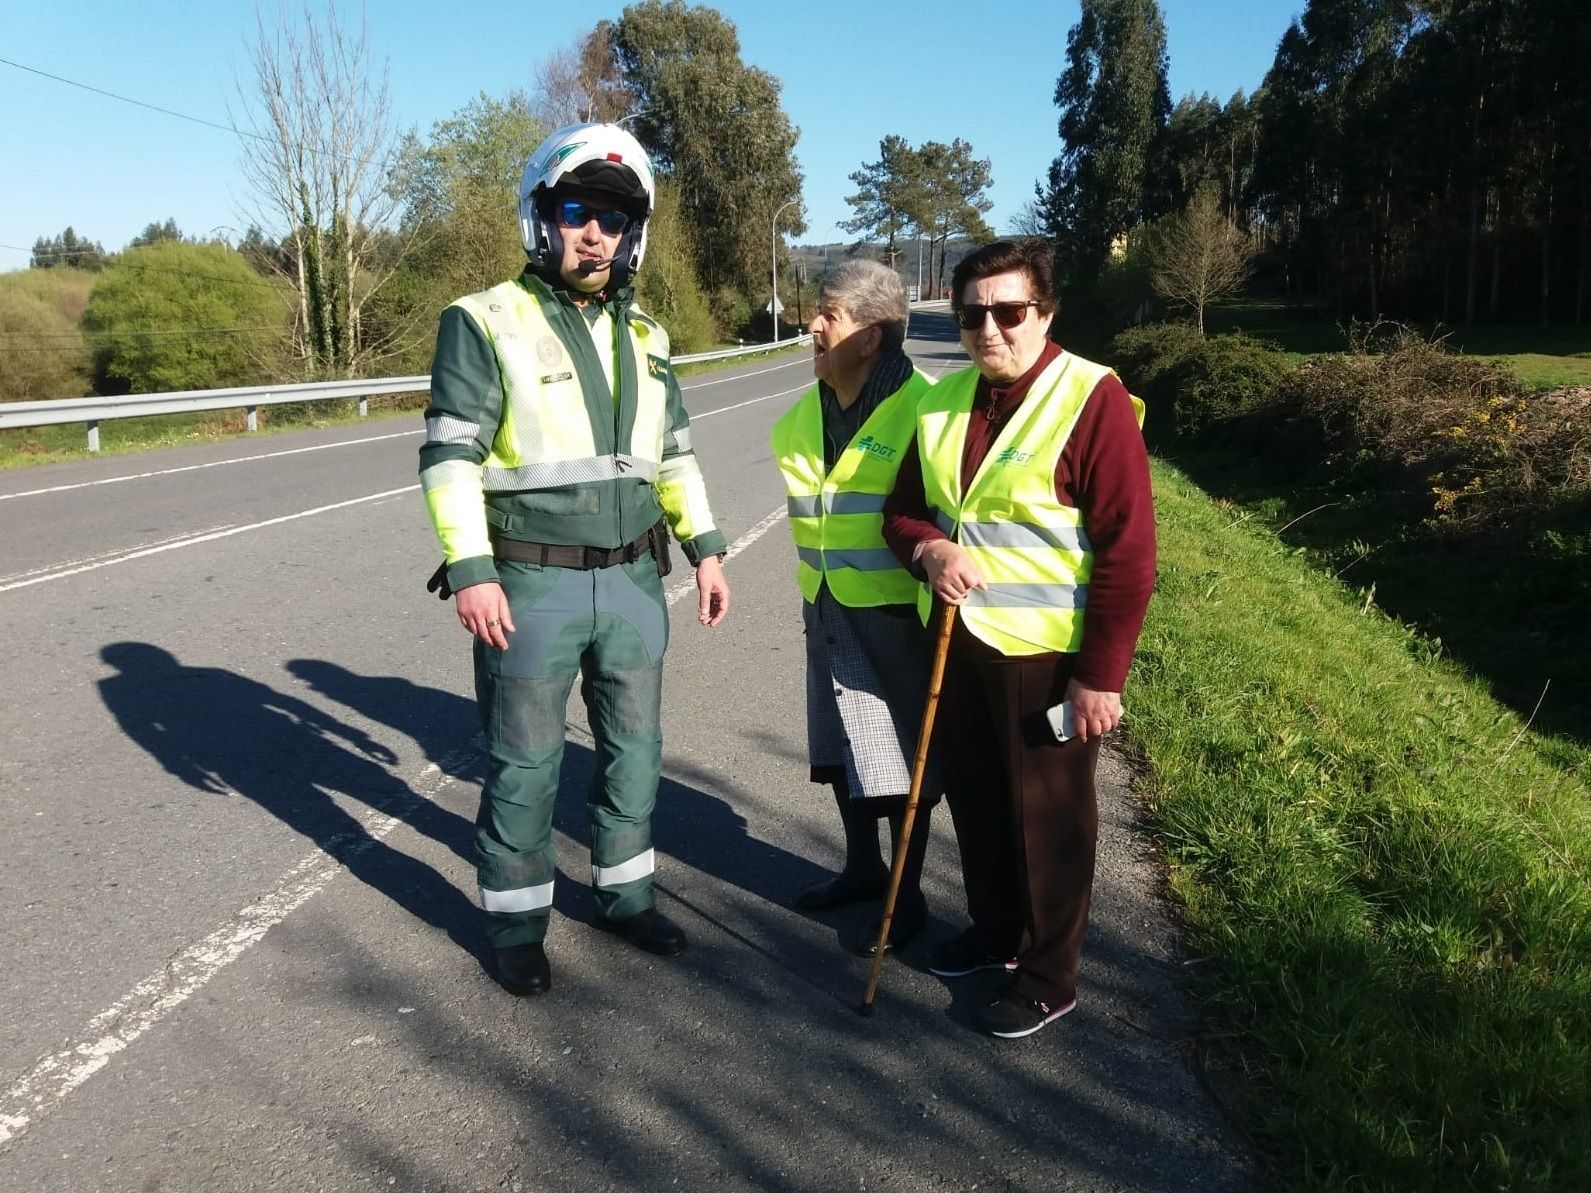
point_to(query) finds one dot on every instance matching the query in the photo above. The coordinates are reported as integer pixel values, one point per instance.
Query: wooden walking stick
(947, 620)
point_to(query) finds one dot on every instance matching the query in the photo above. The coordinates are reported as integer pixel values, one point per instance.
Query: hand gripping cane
(947, 620)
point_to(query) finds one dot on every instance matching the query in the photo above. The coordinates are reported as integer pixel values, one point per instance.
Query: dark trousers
(1024, 808)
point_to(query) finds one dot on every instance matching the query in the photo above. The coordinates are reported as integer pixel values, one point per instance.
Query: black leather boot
(865, 876)
(650, 930)
(522, 969)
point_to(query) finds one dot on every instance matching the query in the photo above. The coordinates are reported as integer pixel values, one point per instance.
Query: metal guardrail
(93, 411)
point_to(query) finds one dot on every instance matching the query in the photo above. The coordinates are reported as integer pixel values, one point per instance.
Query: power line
(226, 128)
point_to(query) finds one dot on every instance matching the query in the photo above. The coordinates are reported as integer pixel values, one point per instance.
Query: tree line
(1424, 159)
(359, 233)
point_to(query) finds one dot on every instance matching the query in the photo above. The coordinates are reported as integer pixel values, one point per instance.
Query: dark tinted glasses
(1006, 314)
(572, 213)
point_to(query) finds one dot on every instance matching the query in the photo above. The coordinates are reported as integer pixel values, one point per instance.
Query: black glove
(438, 583)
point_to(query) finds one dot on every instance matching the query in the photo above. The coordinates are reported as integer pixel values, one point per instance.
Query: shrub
(1190, 383)
(44, 352)
(173, 316)
(1143, 355)
(1224, 378)
(1464, 439)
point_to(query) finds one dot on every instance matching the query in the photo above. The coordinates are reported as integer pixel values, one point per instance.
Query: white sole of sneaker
(1007, 966)
(1048, 1019)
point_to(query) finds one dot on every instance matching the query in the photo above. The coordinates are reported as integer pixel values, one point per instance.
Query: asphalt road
(240, 948)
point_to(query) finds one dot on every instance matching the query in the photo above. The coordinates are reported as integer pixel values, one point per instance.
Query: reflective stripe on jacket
(1033, 551)
(837, 518)
(572, 457)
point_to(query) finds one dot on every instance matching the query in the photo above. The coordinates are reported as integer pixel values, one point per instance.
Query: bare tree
(318, 143)
(582, 82)
(1198, 255)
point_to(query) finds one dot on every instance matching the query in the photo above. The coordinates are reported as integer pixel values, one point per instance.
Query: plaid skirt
(867, 678)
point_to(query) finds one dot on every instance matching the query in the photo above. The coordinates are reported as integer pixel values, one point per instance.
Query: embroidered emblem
(657, 367)
(549, 351)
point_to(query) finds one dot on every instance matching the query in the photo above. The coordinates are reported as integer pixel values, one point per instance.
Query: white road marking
(735, 548)
(107, 554)
(139, 476)
(193, 540)
(113, 1030)
(794, 360)
(696, 418)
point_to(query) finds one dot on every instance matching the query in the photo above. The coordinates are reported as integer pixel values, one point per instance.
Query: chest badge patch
(549, 351)
(657, 367)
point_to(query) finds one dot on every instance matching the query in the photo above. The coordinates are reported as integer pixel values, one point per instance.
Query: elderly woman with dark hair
(838, 449)
(1025, 500)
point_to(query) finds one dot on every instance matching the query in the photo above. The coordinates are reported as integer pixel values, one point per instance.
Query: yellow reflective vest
(837, 518)
(1032, 550)
(566, 451)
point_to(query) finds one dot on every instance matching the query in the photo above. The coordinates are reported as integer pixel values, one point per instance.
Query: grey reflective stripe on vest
(859, 559)
(567, 472)
(803, 507)
(862, 559)
(945, 522)
(526, 898)
(444, 428)
(677, 442)
(1029, 596)
(854, 503)
(1025, 535)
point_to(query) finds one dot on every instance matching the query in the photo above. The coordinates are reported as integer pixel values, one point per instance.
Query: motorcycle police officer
(557, 463)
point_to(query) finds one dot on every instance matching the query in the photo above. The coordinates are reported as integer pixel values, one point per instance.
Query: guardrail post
(93, 435)
(364, 407)
(253, 417)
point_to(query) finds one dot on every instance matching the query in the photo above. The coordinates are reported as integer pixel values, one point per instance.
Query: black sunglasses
(1006, 314)
(572, 213)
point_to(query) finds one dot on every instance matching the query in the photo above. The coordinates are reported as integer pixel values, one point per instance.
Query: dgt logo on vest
(874, 448)
(1011, 456)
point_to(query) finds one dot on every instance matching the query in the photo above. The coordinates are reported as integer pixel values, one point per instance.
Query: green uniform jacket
(467, 389)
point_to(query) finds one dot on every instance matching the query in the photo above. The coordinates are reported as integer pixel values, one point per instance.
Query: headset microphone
(588, 267)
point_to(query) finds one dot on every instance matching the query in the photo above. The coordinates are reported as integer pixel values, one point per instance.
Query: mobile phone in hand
(1062, 721)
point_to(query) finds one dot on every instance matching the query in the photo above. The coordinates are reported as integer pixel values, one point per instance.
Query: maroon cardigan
(1103, 471)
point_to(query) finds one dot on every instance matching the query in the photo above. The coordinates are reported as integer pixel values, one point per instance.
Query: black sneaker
(1012, 1016)
(964, 954)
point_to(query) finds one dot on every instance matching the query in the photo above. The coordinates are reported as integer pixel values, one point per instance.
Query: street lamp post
(773, 302)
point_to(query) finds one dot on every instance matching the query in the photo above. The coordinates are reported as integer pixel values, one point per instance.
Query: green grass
(1546, 357)
(1391, 876)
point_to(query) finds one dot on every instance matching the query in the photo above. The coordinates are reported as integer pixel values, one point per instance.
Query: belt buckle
(594, 557)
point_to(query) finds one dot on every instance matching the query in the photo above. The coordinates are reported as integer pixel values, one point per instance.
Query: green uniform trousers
(610, 625)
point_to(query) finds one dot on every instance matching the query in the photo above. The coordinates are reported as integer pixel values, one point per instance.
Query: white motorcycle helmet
(591, 157)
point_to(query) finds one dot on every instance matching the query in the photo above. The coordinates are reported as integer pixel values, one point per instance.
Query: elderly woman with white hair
(838, 449)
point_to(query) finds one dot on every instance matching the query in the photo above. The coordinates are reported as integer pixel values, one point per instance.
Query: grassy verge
(1544, 356)
(1391, 876)
(25, 446)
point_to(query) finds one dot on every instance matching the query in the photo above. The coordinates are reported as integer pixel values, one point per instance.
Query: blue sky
(852, 73)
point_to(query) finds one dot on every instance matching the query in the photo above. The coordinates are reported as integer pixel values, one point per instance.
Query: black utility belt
(561, 555)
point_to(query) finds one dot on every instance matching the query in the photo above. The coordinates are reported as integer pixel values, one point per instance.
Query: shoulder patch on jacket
(657, 367)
